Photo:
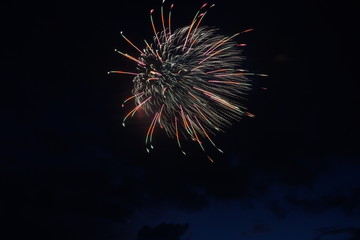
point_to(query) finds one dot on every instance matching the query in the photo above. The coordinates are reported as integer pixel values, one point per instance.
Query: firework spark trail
(129, 98)
(189, 80)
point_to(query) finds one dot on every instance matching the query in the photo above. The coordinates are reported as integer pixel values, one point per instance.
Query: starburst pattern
(189, 80)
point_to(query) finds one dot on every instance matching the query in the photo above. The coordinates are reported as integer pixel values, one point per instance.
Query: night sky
(70, 170)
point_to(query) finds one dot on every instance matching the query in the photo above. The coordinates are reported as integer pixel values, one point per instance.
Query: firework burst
(189, 81)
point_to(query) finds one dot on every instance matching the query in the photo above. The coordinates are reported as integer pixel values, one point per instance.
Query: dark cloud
(346, 233)
(257, 229)
(164, 231)
(276, 208)
(349, 203)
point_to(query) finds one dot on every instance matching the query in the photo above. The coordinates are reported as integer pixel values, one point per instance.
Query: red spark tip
(151, 11)
(172, 5)
(250, 114)
(204, 5)
(248, 30)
